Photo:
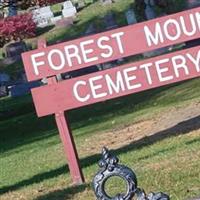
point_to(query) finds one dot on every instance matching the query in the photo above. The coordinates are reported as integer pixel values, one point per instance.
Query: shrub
(16, 28)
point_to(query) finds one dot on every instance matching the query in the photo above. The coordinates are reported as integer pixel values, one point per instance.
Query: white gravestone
(68, 9)
(42, 16)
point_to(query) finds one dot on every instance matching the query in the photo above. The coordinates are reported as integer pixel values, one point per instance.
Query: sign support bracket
(69, 148)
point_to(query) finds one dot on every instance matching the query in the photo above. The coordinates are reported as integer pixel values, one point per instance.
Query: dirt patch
(181, 119)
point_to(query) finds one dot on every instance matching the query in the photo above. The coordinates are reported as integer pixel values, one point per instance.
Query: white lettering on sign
(59, 56)
(172, 29)
(179, 62)
(71, 52)
(119, 41)
(162, 70)
(75, 90)
(117, 86)
(85, 52)
(195, 61)
(95, 87)
(37, 63)
(104, 46)
(146, 67)
(131, 78)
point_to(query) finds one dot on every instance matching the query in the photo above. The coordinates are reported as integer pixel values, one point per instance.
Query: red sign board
(56, 97)
(116, 82)
(112, 45)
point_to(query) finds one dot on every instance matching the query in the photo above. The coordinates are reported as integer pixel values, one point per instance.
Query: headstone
(4, 78)
(149, 10)
(3, 91)
(42, 16)
(68, 9)
(80, 5)
(110, 21)
(90, 30)
(10, 60)
(192, 3)
(130, 17)
(54, 20)
(15, 49)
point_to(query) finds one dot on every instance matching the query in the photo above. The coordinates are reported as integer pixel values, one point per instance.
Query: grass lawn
(33, 166)
(32, 163)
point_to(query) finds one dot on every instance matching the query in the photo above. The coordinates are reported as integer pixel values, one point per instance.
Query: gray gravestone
(68, 10)
(149, 10)
(151, 14)
(3, 91)
(110, 21)
(15, 49)
(130, 17)
(90, 30)
(42, 16)
(4, 78)
(193, 3)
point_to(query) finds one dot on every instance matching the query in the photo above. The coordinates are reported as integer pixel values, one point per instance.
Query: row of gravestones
(22, 87)
(44, 16)
(110, 22)
(14, 50)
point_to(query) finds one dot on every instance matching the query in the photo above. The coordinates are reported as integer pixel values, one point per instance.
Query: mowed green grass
(32, 163)
(33, 166)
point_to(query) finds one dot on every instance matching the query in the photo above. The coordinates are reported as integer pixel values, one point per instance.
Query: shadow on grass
(41, 31)
(28, 128)
(65, 193)
(179, 129)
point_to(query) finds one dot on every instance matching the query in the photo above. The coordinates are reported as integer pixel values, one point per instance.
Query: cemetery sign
(112, 45)
(57, 97)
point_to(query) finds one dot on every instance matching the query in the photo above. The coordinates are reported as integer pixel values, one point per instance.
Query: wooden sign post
(66, 134)
(57, 97)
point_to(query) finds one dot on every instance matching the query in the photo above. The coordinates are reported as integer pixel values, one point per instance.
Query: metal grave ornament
(110, 167)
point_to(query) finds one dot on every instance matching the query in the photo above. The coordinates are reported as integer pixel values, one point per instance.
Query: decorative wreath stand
(110, 167)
